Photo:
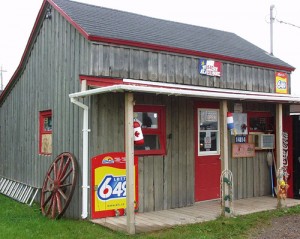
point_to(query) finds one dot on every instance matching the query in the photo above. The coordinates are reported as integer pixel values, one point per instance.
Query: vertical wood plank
(170, 69)
(168, 157)
(178, 69)
(162, 67)
(250, 177)
(175, 155)
(158, 183)
(182, 153)
(187, 70)
(190, 153)
(153, 67)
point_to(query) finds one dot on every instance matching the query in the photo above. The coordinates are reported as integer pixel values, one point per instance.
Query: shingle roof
(115, 24)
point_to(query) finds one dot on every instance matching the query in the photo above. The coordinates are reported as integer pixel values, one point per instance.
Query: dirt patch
(287, 227)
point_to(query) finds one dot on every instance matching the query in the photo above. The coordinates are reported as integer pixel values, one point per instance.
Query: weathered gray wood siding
(58, 55)
(115, 61)
(164, 181)
(251, 176)
(168, 181)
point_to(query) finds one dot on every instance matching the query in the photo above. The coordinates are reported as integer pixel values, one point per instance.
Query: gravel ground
(281, 228)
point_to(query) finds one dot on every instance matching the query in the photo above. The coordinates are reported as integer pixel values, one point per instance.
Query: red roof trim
(186, 52)
(100, 81)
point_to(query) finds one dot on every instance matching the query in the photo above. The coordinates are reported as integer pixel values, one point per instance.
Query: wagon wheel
(59, 185)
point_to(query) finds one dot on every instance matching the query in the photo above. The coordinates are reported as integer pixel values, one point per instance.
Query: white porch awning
(188, 91)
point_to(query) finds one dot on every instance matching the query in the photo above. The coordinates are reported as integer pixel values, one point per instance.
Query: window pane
(208, 141)
(48, 123)
(208, 120)
(151, 143)
(148, 119)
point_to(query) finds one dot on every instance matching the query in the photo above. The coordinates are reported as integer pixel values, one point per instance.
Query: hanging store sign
(210, 67)
(281, 83)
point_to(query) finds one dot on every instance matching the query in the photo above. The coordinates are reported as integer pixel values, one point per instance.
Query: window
(45, 140)
(152, 120)
(208, 130)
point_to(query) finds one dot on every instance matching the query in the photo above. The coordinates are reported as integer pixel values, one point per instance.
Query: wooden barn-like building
(89, 74)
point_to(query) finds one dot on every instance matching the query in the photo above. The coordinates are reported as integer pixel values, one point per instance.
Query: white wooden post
(279, 146)
(224, 135)
(129, 151)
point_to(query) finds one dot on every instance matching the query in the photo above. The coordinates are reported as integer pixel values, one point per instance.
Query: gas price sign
(109, 184)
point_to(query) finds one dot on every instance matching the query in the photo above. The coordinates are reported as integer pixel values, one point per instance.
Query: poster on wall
(245, 150)
(108, 192)
(240, 123)
(281, 83)
(210, 67)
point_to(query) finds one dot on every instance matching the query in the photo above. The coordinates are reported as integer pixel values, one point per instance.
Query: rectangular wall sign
(281, 83)
(210, 67)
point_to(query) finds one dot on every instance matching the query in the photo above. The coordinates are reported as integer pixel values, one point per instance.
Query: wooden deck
(200, 212)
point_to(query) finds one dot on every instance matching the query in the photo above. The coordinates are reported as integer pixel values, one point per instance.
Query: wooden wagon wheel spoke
(63, 173)
(62, 194)
(66, 175)
(59, 186)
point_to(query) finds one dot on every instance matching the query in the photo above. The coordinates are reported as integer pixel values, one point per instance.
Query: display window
(45, 137)
(208, 130)
(152, 120)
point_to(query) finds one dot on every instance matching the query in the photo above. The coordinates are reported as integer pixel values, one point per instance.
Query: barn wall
(122, 62)
(58, 56)
(50, 74)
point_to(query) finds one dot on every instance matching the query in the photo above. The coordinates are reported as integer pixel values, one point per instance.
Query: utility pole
(271, 28)
(1, 72)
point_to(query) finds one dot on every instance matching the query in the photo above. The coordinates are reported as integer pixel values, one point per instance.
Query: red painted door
(207, 151)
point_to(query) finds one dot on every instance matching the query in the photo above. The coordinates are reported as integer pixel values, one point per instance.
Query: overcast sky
(248, 19)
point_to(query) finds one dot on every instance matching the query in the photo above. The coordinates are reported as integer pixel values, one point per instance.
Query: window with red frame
(45, 140)
(153, 123)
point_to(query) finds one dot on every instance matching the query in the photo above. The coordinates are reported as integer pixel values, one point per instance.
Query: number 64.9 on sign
(112, 187)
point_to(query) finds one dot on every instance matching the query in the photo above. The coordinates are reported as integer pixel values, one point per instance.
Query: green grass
(21, 221)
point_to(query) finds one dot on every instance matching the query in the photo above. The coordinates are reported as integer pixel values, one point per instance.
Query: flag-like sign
(210, 67)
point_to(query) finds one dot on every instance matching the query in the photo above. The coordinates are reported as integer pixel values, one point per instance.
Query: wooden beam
(129, 151)
(224, 135)
(279, 146)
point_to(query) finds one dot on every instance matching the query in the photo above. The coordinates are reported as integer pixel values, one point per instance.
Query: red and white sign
(210, 67)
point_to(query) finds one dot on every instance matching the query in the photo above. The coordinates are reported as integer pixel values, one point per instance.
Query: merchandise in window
(152, 121)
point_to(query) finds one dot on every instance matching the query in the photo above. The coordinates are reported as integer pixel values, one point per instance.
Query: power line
(287, 23)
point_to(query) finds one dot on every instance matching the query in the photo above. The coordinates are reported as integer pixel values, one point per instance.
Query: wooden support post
(279, 146)
(224, 135)
(129, 151)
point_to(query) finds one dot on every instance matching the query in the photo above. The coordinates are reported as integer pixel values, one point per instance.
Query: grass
(21, 221)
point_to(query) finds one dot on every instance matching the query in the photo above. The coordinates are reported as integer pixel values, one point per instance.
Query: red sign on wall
(108, 192)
